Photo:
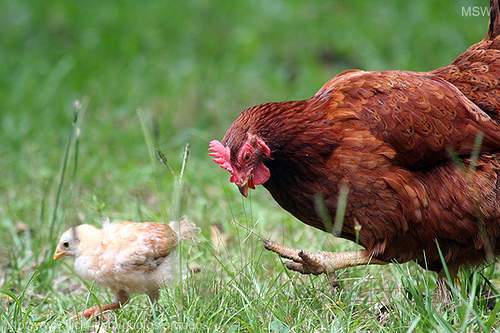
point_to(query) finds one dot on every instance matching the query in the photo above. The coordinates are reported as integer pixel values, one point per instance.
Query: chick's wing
(141, 246)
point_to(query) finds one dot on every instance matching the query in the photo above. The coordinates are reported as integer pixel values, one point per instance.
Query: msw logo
(475, 11)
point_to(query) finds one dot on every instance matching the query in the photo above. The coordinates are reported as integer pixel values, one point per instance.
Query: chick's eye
(65, 244)
(247, 156)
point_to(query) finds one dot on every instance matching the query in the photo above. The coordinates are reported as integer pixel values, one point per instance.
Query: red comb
(221, 154)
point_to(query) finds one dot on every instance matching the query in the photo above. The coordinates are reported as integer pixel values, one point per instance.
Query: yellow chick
(128, 257)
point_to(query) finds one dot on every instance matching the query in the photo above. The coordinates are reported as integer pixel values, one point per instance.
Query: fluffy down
(128, 257)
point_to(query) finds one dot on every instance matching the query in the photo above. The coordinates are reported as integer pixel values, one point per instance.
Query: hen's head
(245, 163)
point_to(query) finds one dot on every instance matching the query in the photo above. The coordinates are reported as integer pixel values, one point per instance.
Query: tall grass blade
(158, 158)
(147, 136)
(57, 214)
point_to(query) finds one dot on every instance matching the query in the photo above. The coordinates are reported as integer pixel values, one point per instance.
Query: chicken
(128, 257)
(401, 145)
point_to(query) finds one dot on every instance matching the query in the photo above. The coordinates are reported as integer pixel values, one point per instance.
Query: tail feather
(186, 229)
(494, 24)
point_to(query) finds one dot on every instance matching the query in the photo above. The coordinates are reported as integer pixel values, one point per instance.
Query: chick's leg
(321, 262)
(95, 310)
(121, 298)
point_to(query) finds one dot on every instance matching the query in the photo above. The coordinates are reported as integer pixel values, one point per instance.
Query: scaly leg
(442, 291)
(121, 298)
(95, 310)
(321, 262)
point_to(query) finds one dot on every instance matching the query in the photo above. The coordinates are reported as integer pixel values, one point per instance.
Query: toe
(311, 262)
(284, 251)
(295, 266)
(91, 311)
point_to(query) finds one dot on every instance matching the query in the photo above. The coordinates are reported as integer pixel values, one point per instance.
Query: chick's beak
(59, 254)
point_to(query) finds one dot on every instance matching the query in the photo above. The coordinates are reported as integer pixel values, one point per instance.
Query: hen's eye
(65, 244)
(247, 156)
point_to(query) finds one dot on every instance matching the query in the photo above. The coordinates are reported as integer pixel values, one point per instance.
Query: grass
(192, 67)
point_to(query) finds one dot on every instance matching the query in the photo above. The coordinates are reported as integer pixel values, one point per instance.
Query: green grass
(192, 67)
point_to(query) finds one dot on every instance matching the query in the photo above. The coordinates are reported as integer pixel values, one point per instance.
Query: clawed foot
(96, 310)
(321, 262)
(303, 262)
(91, 312)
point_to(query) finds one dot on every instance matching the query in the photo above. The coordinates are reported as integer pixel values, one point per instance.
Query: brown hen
(386, 138)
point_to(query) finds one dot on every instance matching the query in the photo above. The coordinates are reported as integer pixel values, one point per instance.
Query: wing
(392, 124)
(421, 117)
(475, 73)
(141, 246)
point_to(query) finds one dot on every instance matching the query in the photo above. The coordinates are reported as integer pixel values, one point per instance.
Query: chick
(128, 257)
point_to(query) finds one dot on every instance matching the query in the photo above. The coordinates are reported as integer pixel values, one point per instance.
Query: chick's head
(71, 241)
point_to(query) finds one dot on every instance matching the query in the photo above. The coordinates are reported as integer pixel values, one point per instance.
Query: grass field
(192, 66)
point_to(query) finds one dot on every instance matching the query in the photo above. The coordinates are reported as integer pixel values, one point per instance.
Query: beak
(245, 184)
(244, 189)
(58, 255)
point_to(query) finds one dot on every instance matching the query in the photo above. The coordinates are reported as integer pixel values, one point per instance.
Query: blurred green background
(193, 66)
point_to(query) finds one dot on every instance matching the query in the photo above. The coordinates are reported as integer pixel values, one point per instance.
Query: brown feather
(387, 137)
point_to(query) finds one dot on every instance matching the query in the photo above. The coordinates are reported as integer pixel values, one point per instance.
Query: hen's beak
(245, 184)
(243, 189)
(59, 254)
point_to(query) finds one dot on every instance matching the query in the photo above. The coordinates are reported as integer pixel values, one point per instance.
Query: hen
(128, 257)
(387, 140)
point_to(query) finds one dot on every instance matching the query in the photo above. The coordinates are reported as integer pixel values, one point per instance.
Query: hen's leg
(442, 291)
(321, 262)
